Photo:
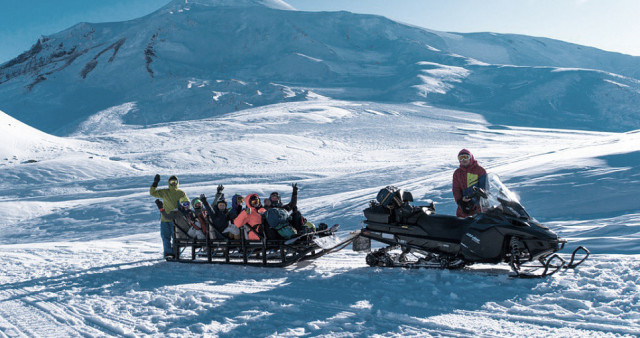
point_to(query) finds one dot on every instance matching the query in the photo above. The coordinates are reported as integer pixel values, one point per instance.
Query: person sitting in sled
(219, 218)
(469, 175)
(236, 206)
(187, 224)
(276, 201)
(170, 198)
(251, 216)
(297, 221)
(201, 215)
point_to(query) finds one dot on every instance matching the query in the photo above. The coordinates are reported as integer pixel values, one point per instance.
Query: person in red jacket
(470, 174)
(251, 216)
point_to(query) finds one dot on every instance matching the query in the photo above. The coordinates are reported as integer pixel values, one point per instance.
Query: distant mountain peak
(275, 4)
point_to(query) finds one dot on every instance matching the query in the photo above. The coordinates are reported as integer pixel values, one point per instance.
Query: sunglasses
(463, 157)
(173, 182)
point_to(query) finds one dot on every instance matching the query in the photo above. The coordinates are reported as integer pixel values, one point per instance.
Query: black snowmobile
(502, 232)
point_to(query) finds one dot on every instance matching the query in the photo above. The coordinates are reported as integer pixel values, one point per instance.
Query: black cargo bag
(385, 196)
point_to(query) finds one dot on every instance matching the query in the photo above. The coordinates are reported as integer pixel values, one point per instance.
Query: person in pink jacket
(251, 216)
(470, 174)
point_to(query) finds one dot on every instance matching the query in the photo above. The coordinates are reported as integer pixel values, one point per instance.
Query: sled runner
(417, 237)
(265, 252)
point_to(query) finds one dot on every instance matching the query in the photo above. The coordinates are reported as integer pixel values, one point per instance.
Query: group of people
(272, 218)
(197, 219)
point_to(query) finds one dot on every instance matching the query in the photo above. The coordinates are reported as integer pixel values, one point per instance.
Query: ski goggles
(173, 182)
(254, 202)
(463, 157)
(185, 204)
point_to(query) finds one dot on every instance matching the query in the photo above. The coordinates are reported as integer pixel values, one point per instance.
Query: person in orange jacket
(251, 216)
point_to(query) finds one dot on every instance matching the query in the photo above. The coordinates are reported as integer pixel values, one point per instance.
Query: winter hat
(173, 177)
(464, 151)
(182, 200)
(195, 201)
(222, 200)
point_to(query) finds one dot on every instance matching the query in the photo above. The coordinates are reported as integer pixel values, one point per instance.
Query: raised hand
(203, 198)
(220, 188)
(294, 186)
(156, 180)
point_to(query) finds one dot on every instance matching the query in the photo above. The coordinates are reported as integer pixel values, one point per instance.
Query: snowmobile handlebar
(479, 192)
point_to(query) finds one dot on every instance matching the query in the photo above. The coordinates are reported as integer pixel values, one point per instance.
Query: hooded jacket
(170, 198)
(252, 217)
(464, 179)
(236, 208)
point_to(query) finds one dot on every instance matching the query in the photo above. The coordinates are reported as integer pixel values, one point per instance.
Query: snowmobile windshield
(500, 197)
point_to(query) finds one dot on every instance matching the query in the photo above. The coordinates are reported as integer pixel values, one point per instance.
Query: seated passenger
(219, 219)
(236, 206)
(184, 219)
(251, 216)
(276, 202)
(201, 215)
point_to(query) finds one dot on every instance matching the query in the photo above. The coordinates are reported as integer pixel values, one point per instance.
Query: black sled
(264, 252)
(502, 232)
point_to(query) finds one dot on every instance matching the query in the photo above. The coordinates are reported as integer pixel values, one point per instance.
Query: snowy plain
(82, 251)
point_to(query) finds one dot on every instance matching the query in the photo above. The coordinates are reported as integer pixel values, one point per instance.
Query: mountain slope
(196, 60)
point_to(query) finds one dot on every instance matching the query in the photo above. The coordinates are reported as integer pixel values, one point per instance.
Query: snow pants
(166, 232)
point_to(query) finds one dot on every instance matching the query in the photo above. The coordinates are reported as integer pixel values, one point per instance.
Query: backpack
(386, 195)
(278, 220)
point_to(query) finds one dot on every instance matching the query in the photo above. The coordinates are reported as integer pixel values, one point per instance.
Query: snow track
(81, 250)
(334, 295)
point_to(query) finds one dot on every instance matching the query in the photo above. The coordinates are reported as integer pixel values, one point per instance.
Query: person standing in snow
(170, 198)
(469, 175)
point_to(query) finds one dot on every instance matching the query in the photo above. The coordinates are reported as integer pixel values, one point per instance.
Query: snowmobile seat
(444, 226)
(378, 214)
(407, 196)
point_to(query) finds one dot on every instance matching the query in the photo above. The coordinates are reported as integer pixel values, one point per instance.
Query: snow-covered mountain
(205, 58)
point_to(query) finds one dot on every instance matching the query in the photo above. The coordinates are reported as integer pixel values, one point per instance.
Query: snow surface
(81, 245)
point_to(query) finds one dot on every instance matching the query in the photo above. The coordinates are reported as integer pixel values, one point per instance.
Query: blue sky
(610, 25)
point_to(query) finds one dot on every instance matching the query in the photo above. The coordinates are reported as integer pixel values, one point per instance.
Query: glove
(295, 187)
(466, 206)
(203, 198)
(159, 204)
(220, 188)
(156, 180)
